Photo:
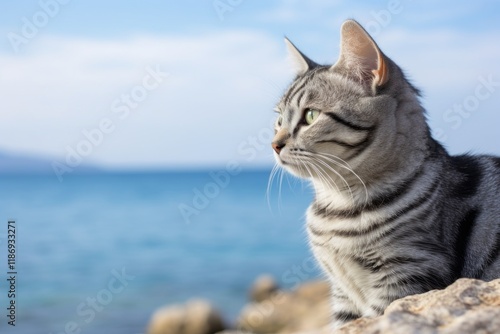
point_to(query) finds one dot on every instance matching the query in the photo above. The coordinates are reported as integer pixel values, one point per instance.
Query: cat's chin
(299, 174)
(294, 170)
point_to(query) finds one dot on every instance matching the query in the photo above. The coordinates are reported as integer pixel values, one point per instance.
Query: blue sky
(220, 73)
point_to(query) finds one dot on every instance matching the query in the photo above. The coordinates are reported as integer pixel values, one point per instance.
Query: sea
(100, 253)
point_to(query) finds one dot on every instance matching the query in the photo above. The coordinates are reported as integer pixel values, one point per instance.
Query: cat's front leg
(343, 309)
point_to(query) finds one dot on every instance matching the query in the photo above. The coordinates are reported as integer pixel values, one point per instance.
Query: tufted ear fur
(301, 62)
(361, 57)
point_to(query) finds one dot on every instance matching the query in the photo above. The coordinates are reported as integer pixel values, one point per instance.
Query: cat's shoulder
(470, 162)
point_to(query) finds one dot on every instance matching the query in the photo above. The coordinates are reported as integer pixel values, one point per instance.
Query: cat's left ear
(301, 62)
(361, 57)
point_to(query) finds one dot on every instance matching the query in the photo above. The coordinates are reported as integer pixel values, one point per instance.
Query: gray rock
(466, 307)
(263, 288)
(195, 317)
(307, 308)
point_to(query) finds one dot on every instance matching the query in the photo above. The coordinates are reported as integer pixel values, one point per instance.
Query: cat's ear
(360, 55)
(301, 62)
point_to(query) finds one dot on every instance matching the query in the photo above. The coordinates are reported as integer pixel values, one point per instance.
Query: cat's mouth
(279, 159)
(291, 162)
(285, 161)
(305, 163)
(283, 157)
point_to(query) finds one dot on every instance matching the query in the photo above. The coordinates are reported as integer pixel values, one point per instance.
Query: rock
(195, 317)
(468, 306)
(313, 291)
(263, 287)
(306, 308)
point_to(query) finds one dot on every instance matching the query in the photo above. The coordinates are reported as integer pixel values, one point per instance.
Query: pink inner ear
(381, 73)
(368, 57)
(361, 54)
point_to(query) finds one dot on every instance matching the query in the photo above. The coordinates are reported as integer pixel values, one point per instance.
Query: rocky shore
(467, 306)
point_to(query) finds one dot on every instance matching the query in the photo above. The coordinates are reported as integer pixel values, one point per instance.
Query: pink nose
(277, 147)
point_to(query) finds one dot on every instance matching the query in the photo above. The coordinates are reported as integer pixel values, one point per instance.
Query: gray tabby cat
(394, 214)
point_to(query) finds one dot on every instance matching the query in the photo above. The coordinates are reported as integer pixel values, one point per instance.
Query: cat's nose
(277, 147)
(279, 140)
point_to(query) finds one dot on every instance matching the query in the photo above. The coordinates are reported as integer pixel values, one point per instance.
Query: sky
(182, 84)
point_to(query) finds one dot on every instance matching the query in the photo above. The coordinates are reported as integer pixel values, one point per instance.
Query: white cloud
(218, 93)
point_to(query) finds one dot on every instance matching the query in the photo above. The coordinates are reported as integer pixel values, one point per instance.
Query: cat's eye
(280, 120)
(311, 115)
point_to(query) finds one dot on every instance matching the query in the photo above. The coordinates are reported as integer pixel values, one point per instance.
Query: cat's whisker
(301, 165)
(346, 165)
(272, 177)
(341, 161)
(280, 185)
(348, 168)
(327, 166)
(306, 167)
(325, 177)
(329, 158)
(315, 158)
(322, 174)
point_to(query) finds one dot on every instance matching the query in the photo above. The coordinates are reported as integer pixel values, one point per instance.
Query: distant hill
(13, 163)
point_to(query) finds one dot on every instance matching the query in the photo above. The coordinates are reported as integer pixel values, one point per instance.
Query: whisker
(280, 185)
(323, 166)
(272, 176)
(327, 166)
(330, 157)
(321, 173)
(312, 156)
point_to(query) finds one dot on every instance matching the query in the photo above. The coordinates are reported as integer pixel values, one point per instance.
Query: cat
(394, 214)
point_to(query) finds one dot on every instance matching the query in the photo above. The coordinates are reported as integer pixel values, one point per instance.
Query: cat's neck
(339, 195)
(347, 193)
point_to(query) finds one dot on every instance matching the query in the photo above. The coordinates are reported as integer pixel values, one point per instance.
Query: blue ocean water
(74, 238)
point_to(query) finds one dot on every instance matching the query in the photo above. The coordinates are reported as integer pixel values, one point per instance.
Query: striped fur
(394, 214)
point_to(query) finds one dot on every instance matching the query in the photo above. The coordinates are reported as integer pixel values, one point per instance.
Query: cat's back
(472, 181)
(470, 220)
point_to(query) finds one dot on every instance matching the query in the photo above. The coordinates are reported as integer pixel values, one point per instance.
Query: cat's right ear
(361, 57)
(301, 62)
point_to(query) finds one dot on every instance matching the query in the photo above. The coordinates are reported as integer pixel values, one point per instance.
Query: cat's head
(360, 113)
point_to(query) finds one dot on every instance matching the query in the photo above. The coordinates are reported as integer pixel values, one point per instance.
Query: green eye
(311, 116)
